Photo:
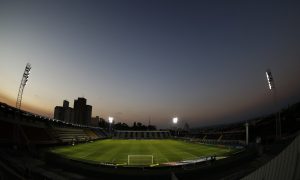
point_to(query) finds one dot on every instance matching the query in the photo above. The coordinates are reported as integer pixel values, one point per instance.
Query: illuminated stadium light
(270, 79)
(273, 91)
(175, 120)
(110, 119)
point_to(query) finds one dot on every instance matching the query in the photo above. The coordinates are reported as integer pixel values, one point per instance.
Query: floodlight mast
(175, 121)
(247, 133)
(22, 85)
(110, 120)
(270, 80)
(273, 91)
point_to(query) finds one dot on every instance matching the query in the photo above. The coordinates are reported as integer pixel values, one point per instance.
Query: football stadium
(37, 147)
(149, 90)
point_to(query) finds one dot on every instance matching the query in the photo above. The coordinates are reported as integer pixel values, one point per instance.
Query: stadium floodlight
(270, 79)
(110, 119)
(175, 120)
(273, 91)
(22, 85)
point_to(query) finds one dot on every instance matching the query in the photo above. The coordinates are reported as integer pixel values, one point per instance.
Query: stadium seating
(69, 134)
(284, 166)
(142, 134)
(91, 133)
(18, 125)
(100, 133)
(6, 131)
(38, 135)
(32, 134)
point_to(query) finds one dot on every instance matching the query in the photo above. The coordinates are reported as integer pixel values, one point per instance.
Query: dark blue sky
(203, 61)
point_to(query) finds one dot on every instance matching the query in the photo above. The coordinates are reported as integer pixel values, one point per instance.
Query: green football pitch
(117, 151)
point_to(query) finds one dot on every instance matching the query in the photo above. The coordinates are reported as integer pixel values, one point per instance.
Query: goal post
(140, 160)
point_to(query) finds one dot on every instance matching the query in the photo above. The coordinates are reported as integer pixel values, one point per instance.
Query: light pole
(17, 128)
(22, 85)
(273, 91)
(110, 120)
(175, 121)
(247, 133)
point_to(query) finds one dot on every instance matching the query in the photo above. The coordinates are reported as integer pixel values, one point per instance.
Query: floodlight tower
(270, 80)
(175, 121)
(273, 91)
(247, 133)
(110, 120)
(22, 85)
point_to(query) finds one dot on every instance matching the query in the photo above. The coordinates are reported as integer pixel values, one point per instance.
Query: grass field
(117, 151)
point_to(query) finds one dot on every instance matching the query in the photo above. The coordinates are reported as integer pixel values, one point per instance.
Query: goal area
(140, 160)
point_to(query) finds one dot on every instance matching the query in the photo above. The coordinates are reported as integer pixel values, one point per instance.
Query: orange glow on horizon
(41, 110)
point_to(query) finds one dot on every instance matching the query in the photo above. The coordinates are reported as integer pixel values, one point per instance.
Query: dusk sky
(203, 61)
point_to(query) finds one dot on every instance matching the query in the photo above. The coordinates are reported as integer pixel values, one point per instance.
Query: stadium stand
(38, 135)
(69, 134)
(32, 129)
(142, 134)
(6, 131)
(284, 166)
(99, 132)
(91, 133)
(29, 128)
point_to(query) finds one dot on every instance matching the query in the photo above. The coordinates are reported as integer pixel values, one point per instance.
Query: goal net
(139, 160)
